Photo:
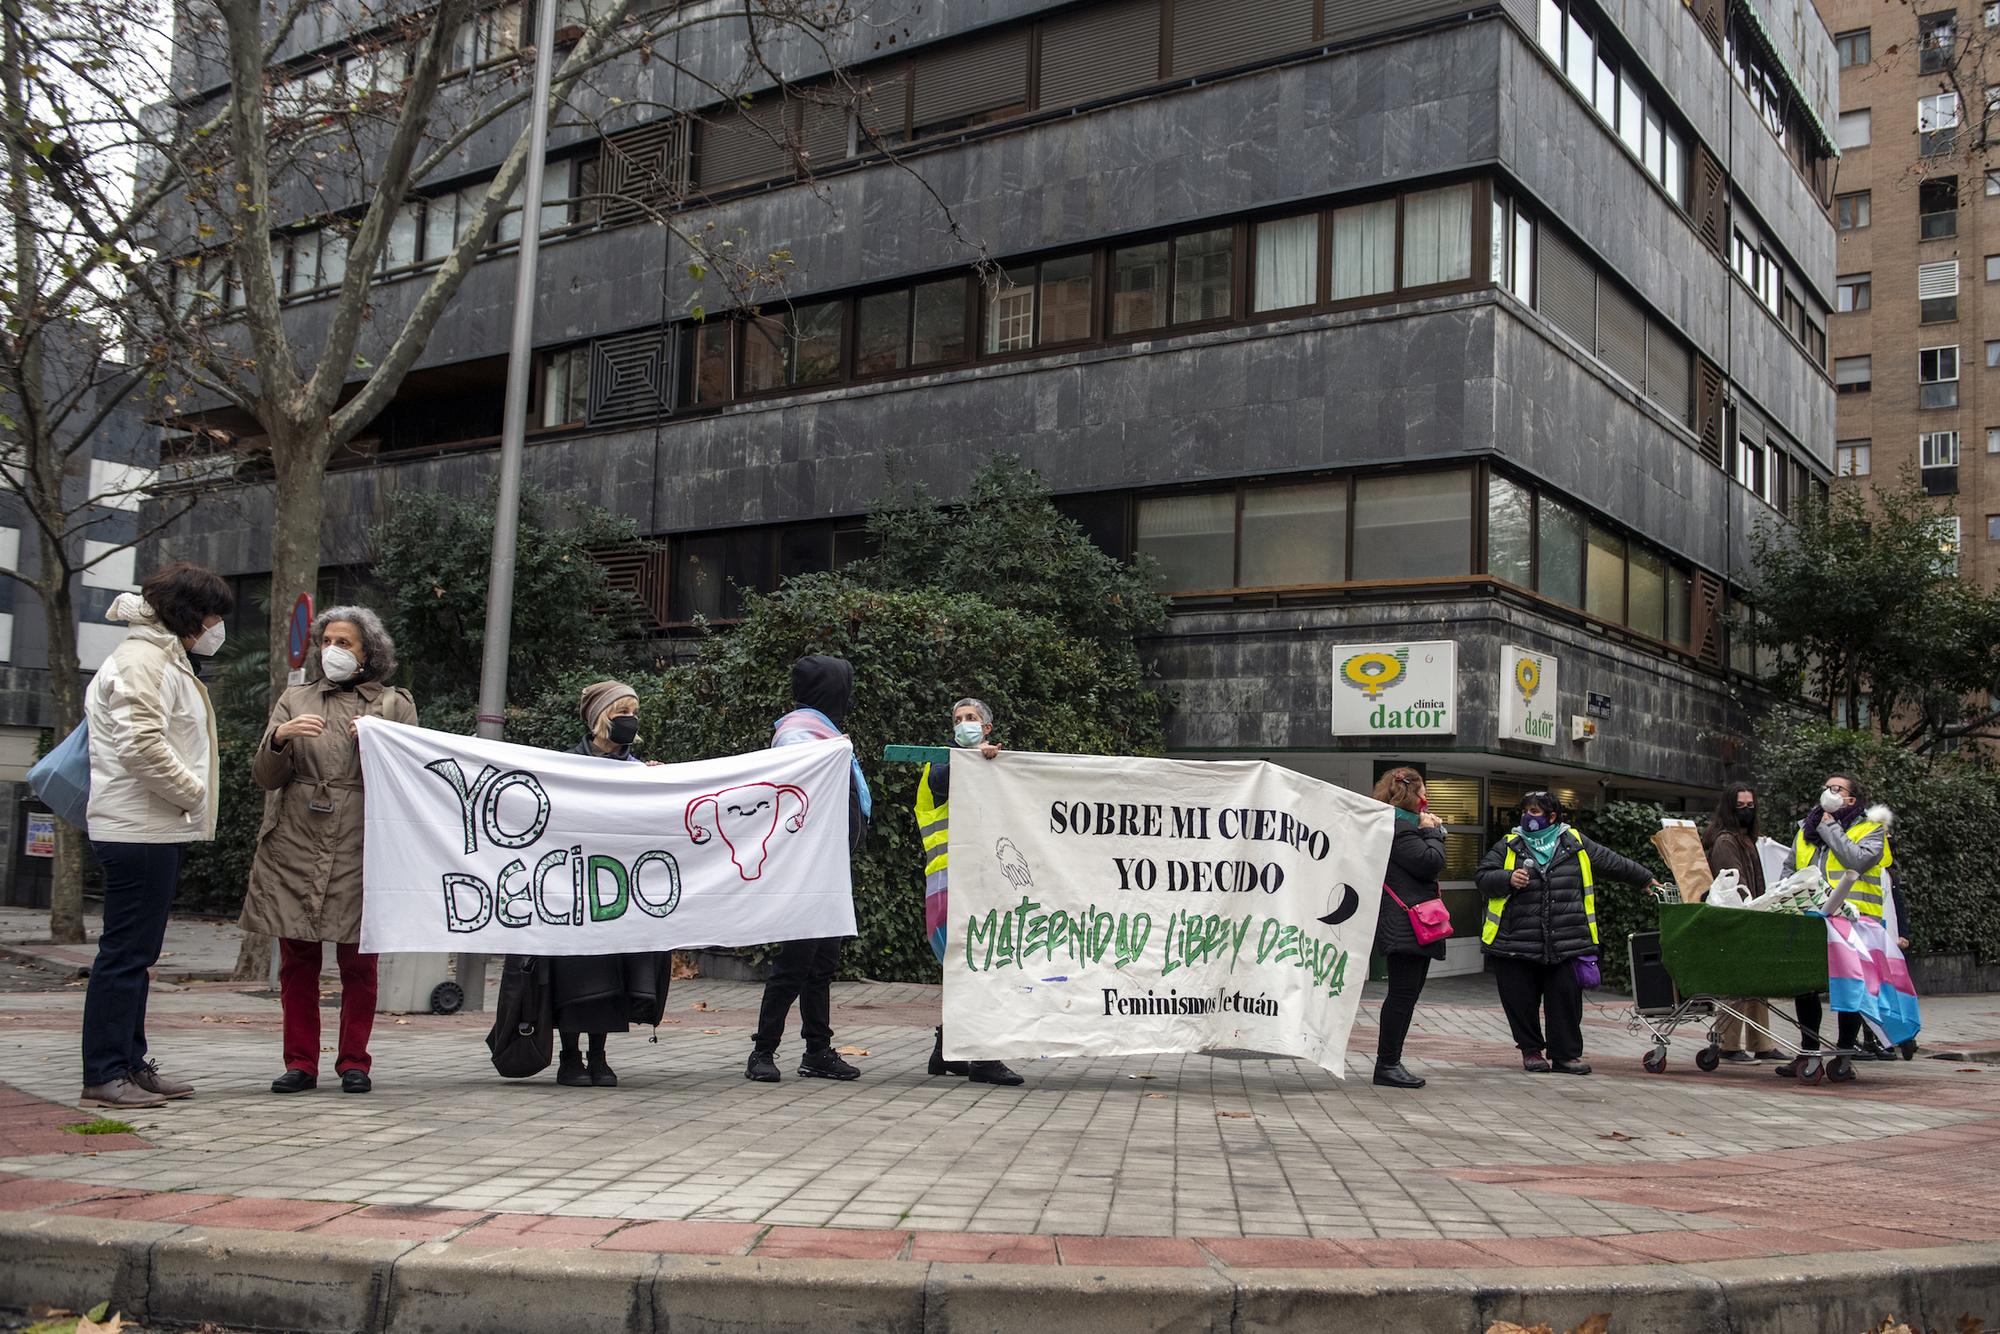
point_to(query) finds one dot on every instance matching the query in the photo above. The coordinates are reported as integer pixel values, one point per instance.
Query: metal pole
(513, 430)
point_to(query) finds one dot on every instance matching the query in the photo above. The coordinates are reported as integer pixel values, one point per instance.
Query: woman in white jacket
(152, 791)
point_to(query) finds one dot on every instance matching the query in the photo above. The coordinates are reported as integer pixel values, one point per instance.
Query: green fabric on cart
(1739, 952)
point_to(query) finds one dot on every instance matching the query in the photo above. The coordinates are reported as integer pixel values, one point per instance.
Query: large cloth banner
(1112, 906)
(491, 848)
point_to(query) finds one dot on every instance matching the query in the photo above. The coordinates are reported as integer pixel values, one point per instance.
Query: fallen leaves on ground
(683, 969)
(109, 1325)
(1239, 1116)
(700, 1005)
(1156, 1095)
(853, 1051)
(1891, 1325)
(1618, 1135)
(1971, 1324)
(1596, 1324)
(711, 1032)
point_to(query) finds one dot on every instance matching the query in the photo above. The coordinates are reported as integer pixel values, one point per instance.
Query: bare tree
(64, 387)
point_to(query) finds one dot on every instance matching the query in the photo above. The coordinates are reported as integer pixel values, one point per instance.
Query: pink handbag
(1429, 920)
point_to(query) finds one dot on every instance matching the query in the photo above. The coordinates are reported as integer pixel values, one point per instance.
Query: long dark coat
(1544, 920)
(1416, 859)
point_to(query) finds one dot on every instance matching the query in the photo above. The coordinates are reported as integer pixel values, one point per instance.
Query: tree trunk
(299, 455)
(66, 708)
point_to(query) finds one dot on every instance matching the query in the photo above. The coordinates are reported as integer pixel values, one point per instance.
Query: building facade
(1917, 213)
(1446, 355)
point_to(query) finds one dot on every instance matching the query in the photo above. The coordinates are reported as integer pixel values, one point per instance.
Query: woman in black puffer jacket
(1416, 859)
(1539, 921)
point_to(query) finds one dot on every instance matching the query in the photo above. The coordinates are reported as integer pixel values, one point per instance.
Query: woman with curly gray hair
(305, 884)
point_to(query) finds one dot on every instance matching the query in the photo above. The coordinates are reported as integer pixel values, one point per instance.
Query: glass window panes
(403, 232)
(305, 261)
(1413, 526)
(1559, 552)
(1191, 537)
(1851, 458)
(1631, 114)
(1364, 250)
(1853, 48)
(1578, 56)
(712, 376)
(763, 354)
(1204, 264)
(881, 333)
(938, 323)
(1604, 575)
(1287, 263)
(332, 257)
(566, 386)
(1509, 532)
(1646, 609)
(1294, 535)
(1010, 311)
(816, 342)
(1852, 292)
(1139, 287)
(440, 225)
(1067, 284)
(1437, 236)
(1680, 599)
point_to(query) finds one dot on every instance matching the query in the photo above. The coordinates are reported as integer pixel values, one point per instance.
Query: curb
(185, 1274)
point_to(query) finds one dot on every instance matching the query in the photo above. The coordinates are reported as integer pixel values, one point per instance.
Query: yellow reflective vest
(1496, 906)
(1866, 894)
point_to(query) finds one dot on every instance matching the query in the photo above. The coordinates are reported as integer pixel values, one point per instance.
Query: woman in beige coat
(305, 884)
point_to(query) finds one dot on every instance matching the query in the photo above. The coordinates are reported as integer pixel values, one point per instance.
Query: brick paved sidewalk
(1176, 1161)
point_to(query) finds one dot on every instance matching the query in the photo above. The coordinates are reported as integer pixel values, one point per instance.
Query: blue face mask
(968, 734)
(1534, 824)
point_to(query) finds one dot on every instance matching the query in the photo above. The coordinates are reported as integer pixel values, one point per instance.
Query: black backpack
(523, 1039)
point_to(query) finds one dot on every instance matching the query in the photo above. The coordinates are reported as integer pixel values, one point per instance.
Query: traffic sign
(299, 639)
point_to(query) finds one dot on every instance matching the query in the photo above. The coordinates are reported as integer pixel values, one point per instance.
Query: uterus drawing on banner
(747, 818)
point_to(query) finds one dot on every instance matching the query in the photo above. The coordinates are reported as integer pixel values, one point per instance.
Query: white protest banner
(492, 848)
(1110, 906)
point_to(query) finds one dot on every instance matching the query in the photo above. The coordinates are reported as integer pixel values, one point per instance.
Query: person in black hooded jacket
(1539, 922)
(823, 690)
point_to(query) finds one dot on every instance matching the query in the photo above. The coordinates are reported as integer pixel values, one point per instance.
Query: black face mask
(624, 729)
(1746, 816)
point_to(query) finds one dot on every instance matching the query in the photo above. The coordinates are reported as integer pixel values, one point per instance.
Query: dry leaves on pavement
(853, 1051)
(1597, 1324)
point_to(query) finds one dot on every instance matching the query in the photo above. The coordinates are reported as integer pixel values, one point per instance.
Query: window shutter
(1566, 288)
(883, 106)
(641, 167)
(1098, 51)
(1667, 371)
(974, 76)
(1219, 34)
(1711, 190)
(738, 145)
(629, 378)
(1621, 335)
(644, 573)
(1936, 280)
(1705, 618)
(1708, 17)
(823, 128)
(1708, 409)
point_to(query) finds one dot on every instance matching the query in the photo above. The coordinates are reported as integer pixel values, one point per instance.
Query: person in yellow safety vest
(1837, 836)
(1540, 883)
(971, 728)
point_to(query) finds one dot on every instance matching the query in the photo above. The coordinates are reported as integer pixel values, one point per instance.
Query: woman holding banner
(1415, 860)
(601, 994)
(971, 729)
(1541, 920)
(305, 882)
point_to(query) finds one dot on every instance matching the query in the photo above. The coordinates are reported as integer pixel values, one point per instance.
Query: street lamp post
(513, 431)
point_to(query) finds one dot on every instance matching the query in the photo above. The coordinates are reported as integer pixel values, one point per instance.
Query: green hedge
(1627, 827)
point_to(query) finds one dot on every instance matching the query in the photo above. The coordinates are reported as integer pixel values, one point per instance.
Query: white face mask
(209, 640)
(1831, 801)
(338, 664)
(968, 734)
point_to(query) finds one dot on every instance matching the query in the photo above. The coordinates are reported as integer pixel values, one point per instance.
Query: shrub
(1627, 827)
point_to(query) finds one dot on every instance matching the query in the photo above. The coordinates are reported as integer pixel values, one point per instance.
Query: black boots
(1394, 1076)
(993, 1072)
(939, 1065)
(572, 1072)
(825, 1063)
(763, 1067)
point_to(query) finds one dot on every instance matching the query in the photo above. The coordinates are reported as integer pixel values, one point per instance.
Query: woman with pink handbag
(1410, 930)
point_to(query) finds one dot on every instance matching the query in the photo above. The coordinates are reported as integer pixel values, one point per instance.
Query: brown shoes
(149, 1078)
(122, 1095)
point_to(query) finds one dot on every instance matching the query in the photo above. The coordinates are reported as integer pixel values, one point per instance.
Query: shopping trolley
(1691, 970)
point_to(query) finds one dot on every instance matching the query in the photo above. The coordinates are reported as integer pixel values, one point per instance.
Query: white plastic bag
(1727, 891)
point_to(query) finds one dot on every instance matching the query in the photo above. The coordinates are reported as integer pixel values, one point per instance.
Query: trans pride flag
(1866, 975)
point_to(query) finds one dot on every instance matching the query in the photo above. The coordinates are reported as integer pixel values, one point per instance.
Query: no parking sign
(298, 637)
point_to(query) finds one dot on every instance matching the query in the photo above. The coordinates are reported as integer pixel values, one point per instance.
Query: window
(1752, 466)
(882, 333)
(1990, 15)
(566, 386)
(1993, 528)
(1604, 575)
(1937, 123)
(1850, 212)
(1853, 48)
(1852, 375)
(1040, 305)
(1993, 268)
(1010, 311)
(1192, 538)
(1437, 236)
(919, 326)
(1937, 449)
(1948, 541)
(1853, 129)
(1937, 377)
(1559, 551)
(1364, 250)
(1294, 535)
(1851, 293)
(1204, 266)
(1413, 526)
(1287, 263)
(1992, 184)
(1993, 440)
(1992, 354)
(711, 363)
(799, 347)
(1510, 520)
(554, 212)
(1935, 33)
(1937, 207)
(485, 36)
(1513, 259)
(1646, 592)
(1937, 291)
(1139, 287)
(937, 326)
(1850, 458)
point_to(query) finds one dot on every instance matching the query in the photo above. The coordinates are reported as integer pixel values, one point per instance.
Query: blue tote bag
(61, 778)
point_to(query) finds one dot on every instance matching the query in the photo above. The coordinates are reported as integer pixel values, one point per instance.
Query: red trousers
(298, 991)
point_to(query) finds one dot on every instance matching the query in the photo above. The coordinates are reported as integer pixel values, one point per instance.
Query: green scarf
(1543, 844)
(1405, 817)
